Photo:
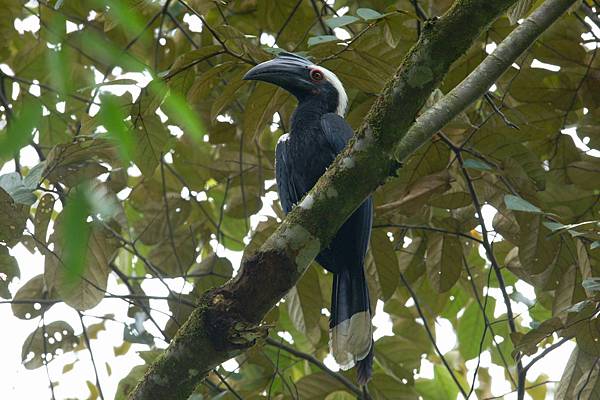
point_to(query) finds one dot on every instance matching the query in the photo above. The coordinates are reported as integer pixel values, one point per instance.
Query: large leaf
(57, 336)
(264, 102)
(304, 304)
(15, 187)
(317, 386)
(12, 218)
(386, 263)
(471, 328)
(78, 161)
(150, 137)
(9, 270)
(580, 378)
(385, 387)
(30, 299)
(43, 214)
(442, 387)
(537, 250)
(444, 261)
(519, 10)
(81, 288)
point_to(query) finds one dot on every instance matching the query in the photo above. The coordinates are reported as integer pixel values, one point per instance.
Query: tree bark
(226, 321)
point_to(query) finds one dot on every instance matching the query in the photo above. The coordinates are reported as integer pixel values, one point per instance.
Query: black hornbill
(318, 133)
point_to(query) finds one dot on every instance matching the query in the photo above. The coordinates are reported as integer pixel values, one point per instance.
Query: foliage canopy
(152, 154)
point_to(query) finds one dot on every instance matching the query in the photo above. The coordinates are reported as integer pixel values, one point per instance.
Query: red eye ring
(316, 75)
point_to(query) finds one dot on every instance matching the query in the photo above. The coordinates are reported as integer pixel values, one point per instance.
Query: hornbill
(318, 133)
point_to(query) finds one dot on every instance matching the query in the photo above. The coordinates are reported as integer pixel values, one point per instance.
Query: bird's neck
(308, 112)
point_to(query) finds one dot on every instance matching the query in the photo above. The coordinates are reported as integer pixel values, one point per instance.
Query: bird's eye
(316, 75)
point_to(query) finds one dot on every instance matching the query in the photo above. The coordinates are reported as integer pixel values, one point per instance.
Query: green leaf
(528, 343)
(519, 204)
(213, 271)
(368, 14)
(441, 387)
(74, 238)
(317, 386)
(176, 108)
(386, 263)
(585, 174)
(132, 335)
(451, 200)
(75, 162)
(34, 177)
(581, 377)
(401, 353)
(315, 40)
(124, 14)
(34, 291)
(228, 95)
(13, 217)
(470, 329)
(537, 250)
(338, 22)
(588, 336)
(175, 253)
(150, 136)
(79, 274)
(13, 185)
(20, 128)
(112, 116)
(384, 387)
(473, 163)
(37, 344)
(127, 384)
(9, 270)
(304, 303)
(591, 284)
(518, 10)
(265, 101)
(68, 367)
(444, 261)
(43, 214)
(568, 292)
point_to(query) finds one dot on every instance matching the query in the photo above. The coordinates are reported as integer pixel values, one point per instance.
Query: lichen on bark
(211, 334)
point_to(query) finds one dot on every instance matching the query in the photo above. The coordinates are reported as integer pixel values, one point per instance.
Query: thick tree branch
(226, 321)
(483, 77)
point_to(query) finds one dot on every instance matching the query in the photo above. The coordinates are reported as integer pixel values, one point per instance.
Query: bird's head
(303, 79)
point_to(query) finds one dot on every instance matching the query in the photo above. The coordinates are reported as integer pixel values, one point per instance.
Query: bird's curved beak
(289, 74)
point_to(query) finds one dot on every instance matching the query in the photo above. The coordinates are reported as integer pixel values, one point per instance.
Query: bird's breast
(310, 156)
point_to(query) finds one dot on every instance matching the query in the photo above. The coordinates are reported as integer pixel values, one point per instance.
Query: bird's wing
(285, 186)
(348, 248)
(337, 131)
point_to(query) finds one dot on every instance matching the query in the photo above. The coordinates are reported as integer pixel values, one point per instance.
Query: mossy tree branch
(226, 321)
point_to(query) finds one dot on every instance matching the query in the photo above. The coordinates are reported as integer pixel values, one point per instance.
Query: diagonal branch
(226, 322)
(413, 295)
(483, 77)
(341, 378)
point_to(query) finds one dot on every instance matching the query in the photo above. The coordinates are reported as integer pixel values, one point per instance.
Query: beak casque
(287, 71)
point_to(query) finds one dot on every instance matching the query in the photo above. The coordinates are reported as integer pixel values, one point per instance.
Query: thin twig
(313, 360)
(489, 254)
(287, 20)
(430, 334)
(429, 228)
(89, 347)
(45, 345)
(228, 386)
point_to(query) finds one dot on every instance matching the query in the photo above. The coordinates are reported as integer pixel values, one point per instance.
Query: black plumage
(318, 134)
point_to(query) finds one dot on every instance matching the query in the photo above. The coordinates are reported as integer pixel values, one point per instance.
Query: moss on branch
(226, 322)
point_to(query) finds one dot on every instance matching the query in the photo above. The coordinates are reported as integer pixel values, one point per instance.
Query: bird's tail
(350, 328)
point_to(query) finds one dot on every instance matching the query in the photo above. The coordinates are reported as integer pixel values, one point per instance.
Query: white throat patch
(342, 96)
